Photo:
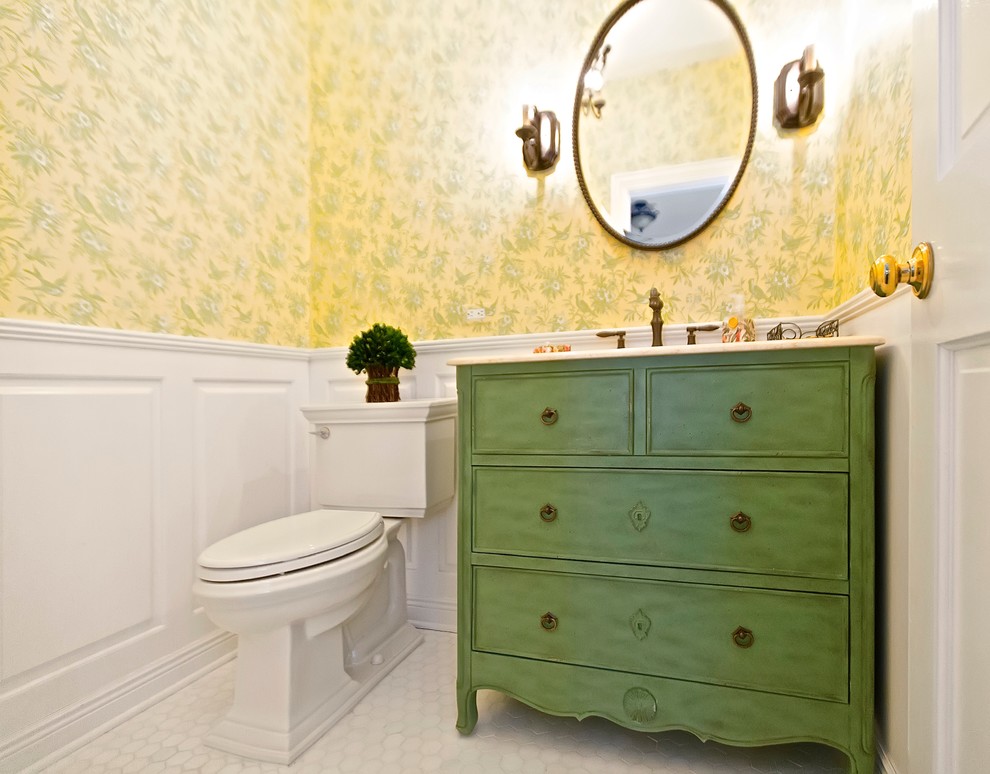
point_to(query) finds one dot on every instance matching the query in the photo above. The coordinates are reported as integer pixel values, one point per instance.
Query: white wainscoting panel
(112, 446)
(964, 544)
(244, 456)
(79, 480)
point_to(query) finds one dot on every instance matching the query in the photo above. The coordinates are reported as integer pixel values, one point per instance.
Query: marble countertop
(679, 349)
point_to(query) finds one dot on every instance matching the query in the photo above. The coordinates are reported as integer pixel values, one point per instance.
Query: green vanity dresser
(673, 538)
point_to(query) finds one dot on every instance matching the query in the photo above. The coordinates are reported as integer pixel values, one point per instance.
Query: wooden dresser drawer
(577, 413)
(782, 642)
(796, 410)
(778, 523)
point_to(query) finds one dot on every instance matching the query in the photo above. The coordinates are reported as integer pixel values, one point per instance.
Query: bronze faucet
(657, 322)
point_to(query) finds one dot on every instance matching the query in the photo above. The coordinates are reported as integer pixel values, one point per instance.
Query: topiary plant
(380, 352)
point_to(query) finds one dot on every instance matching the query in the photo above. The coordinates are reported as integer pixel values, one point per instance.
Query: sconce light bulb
(594, 80)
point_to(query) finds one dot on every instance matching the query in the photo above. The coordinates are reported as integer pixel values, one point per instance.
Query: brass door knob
(886, 273)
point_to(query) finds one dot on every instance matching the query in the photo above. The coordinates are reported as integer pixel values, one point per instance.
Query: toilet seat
(288, 544)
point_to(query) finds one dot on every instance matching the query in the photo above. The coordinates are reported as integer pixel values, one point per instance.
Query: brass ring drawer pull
(740, 412)
(548, 621)
(549, 416)
(548, 512)
(743, 637)
(741, 522)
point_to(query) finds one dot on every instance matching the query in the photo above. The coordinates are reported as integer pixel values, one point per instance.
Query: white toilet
(318, 599)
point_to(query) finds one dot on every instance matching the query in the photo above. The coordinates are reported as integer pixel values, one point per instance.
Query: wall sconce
(540, 135)
(799, 92)
(594, 80)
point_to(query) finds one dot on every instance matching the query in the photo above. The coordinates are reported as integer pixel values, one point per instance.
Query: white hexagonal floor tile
(406, 724)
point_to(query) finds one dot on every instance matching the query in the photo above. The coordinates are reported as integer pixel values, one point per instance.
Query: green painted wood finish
(592, 413)
(690, 410)
(781, 523)
(812, 414)
(785, 642)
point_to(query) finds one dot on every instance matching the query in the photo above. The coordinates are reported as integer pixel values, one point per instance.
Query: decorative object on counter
(548, 347)
(789, 330)
(737, 326)
(656, 304)
(799, 92)
(693, 329)
(620, 334)
(540, 135)
(380, 352)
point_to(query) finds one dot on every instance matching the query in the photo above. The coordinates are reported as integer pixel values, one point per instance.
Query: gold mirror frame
(579, 97)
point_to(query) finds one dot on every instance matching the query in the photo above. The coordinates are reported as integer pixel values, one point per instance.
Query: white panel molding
(445, 385)
(213, 396)
(56, 422)
(447, 553)
(863, 304)
(59, 703)
(948, 140)
(951, 367)
(59, 333)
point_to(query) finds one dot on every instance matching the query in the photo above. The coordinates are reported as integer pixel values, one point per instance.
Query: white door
(949, 493)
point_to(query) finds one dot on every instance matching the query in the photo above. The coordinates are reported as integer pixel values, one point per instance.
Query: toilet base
(253, 739)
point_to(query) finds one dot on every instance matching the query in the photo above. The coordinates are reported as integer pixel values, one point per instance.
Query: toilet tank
(394, 458)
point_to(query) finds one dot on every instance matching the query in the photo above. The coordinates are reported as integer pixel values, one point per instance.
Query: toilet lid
(291, 543)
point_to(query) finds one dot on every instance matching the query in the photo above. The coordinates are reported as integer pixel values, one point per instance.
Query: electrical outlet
(475, 314)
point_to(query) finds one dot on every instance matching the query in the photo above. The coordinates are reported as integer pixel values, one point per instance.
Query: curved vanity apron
(290, 543)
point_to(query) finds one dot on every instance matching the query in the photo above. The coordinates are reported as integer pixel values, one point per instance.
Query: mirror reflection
(664, 118)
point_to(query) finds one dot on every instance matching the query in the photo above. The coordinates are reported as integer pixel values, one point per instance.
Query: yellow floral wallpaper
(154, 166)
(421, 207)
(873, 195)
(290, 171)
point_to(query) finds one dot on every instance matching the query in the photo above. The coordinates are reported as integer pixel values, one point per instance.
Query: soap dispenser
(737, 326)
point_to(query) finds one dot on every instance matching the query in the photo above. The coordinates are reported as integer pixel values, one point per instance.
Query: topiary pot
(383, 384)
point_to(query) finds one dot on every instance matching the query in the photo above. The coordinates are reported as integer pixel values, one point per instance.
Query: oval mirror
(664, 118)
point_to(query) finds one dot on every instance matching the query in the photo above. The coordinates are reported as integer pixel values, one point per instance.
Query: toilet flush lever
(323, 431)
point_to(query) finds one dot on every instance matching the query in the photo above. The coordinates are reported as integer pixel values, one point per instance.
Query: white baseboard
(433, 614)
(39, 746)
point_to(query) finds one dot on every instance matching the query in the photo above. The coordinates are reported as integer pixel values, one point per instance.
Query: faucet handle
(692, 329)
(620, 334)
